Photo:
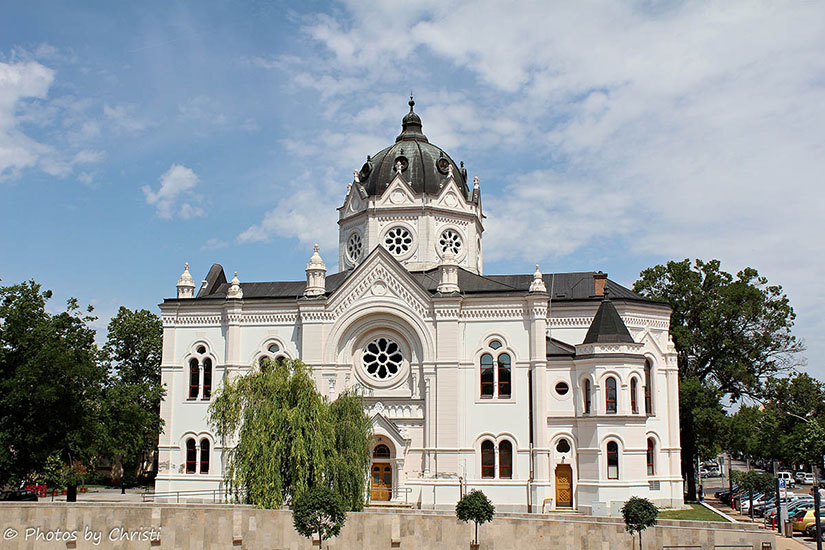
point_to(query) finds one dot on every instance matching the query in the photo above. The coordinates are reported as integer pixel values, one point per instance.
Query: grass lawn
(697, 512)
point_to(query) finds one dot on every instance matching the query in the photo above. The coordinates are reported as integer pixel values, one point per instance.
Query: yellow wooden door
(381, 482)
(564, 485)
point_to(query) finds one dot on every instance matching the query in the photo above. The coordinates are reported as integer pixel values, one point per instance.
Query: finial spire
(412, 101)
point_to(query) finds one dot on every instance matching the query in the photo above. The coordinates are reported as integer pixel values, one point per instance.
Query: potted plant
(475, 507)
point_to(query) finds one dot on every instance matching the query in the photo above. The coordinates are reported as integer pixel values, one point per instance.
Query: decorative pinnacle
(475, 182)
(315, 247)
(606, 294)
(186, 266)
(411, 102)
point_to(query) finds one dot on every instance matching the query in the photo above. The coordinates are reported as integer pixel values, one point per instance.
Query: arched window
(505, 460)
(194, 378)
(586, 396)
(204, 456)
(651, 456)
(610, 395)
(504, 375)
(487, 383)
(612, 460)
(191, 456)
(648, 389)
(634, 407)
(381, 451)
(488, 459)
(207, 379)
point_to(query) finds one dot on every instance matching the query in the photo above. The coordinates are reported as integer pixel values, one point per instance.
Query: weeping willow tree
(289, 438)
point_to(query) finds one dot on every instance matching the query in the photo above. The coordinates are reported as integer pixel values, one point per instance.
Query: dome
(423, 165)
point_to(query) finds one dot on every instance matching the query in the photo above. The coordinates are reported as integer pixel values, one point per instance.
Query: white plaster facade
(430, 299)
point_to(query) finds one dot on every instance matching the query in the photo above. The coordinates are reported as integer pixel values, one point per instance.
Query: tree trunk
(688, 437)
(476, 540)
(640, 540)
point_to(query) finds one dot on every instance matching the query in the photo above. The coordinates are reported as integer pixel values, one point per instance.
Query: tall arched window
(504, 375)
(488, 459)
(648, 389)
(612, 460)
(204, 456)
(487, 376)
(634, 406)
(191, 456)
(505, 460)
(586, 396)
(207, 379)
(610, 395)
(194, 378)
(651, 456)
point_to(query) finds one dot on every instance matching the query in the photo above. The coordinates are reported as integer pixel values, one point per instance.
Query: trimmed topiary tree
(475, 507)
(318, 510)
(639, 514)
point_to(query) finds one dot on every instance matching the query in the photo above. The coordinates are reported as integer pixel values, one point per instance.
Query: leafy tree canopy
(639, 514)
(51, 380)
(319, 510)
(288, 438)
(475, 507)
(133, 392)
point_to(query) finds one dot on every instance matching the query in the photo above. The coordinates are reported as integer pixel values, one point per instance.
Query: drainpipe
(530, 420)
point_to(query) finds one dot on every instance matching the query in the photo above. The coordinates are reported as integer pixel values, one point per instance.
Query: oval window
(562, 388)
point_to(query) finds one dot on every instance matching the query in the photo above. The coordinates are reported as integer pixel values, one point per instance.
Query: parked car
(799, 476)
(808, 478)
(804, 518)
(812, 527)
(18, 494)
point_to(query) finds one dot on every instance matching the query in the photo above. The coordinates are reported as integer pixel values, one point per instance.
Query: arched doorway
(564, 486)
(381, 479)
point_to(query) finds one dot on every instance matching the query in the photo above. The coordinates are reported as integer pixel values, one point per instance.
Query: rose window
(450, 240)
(382, 358)
(354, 246)
(398, 240)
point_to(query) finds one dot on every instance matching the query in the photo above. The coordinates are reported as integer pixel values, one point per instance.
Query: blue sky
(612, 136)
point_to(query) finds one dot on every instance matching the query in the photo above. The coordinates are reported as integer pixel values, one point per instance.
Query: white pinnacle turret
(449, 274)
(538, 282)
(316, 275)
(235, 292)
(186, 285)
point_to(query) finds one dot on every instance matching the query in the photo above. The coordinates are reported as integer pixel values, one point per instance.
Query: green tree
(744, 431)
(475, 507)
(51, 381)
(287, 438)
(731, 334)
(133, 392)
(639, 514)
(319, 510)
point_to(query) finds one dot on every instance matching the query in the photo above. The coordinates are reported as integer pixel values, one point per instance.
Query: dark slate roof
(423, 159)
(607, 326)
(560, 286)
(557, 348)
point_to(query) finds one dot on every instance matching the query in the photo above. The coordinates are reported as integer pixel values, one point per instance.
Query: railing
(216, 494)
(385, 494)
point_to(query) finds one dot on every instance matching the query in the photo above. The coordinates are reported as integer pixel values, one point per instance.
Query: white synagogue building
(547, 391)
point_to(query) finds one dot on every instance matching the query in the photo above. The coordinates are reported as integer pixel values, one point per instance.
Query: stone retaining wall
(196, 527)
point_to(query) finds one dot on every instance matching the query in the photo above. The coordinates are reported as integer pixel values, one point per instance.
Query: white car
(808, 478)
(787, 477)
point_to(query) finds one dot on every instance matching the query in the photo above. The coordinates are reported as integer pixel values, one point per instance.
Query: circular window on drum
(398, 240)
(354, 247)
(382, 358)
(450, 240)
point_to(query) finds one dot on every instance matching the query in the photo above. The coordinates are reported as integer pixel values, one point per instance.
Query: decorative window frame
(619, 457)
(413, 246)
(570, 391)
(350, 261)
(462, 234)
(651, 391)
(198, 438)
(263, 352)
(193, 353)
(635, 396)
(617, 389)
(403, 374)
(583, 380)
(497, 440)
(504, 348)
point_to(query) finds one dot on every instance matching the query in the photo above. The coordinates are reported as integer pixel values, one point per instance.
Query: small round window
(562, 388)
(450, 240)
(398, 240)
(274, 348)
(382, 358)
(563, 446)
(201, 349)
(354, 247)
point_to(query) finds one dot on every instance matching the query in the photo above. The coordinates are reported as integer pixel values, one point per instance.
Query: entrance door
(564, 486)
(381, 481)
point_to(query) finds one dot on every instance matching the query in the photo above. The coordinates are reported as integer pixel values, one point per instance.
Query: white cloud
(175, 195)
(202, 109)
(124, 117)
